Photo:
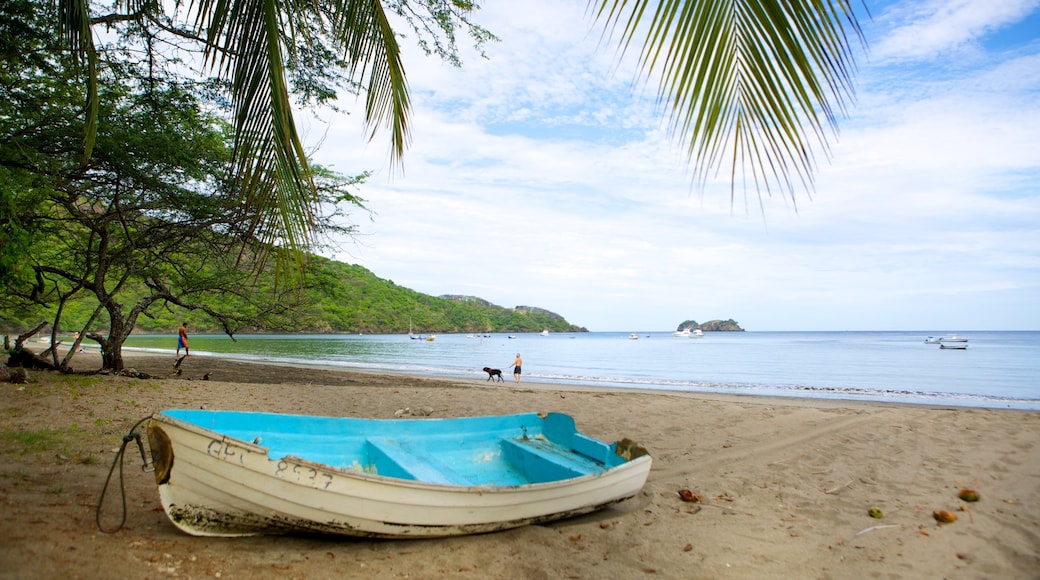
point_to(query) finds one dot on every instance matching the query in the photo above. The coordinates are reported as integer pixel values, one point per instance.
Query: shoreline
(787, 483)
(721, 393)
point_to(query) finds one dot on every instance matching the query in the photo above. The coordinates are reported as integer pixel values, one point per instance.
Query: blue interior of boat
(497, 450)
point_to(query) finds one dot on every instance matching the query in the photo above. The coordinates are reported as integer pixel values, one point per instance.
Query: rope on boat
(133, 435)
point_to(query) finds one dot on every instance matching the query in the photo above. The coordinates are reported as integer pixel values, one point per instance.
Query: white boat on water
(633, 336)
(697, 333)
(952, 339)
(953, 345)
(544, 332)
(932, 340)
(684, 333)
(232, 473)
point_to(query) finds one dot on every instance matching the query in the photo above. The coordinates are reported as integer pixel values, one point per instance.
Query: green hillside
(350, 298)
(339, 297)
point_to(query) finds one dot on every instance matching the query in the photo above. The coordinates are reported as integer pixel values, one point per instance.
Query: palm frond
(246, 43)
(370, 45)
(755, 84)
(74, 27)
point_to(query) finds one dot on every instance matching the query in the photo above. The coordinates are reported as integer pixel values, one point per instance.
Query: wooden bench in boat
(541, 462)
(393, 460)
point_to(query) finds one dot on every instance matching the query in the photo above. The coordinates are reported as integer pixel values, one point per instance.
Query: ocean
(997, 370)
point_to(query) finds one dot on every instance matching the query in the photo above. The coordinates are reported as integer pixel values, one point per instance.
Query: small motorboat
(953, 338)
(233, 473)
(953, 346)
(932, 340)
(633, 336)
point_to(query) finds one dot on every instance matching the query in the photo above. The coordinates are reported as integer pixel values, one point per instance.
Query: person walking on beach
(182, 339)
(516, 367)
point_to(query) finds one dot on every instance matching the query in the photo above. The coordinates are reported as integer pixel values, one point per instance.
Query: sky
(545, 176)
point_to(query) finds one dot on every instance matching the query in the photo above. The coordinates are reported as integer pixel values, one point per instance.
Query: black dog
(492, 373)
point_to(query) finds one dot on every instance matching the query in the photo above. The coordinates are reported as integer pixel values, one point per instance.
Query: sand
(786, 484)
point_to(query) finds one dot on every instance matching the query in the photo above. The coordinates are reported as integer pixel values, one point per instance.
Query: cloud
(544, 176)
(937, 28)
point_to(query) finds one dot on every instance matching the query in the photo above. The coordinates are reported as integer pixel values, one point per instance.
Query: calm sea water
(998, 369)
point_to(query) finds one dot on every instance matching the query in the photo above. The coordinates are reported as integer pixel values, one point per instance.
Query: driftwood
(24, 337)
(21, 357)
(17, 376)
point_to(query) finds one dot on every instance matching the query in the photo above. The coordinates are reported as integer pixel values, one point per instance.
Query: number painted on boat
(302, 474)
(223, 450)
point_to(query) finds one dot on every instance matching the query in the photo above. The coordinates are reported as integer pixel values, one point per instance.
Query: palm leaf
(246, 44)
(755, 85)
(74, 27)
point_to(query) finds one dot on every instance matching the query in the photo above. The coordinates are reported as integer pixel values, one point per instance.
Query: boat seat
(541, 463)
(393, 460)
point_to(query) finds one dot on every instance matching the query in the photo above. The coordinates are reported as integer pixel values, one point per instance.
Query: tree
(146, 221)
(262, 52)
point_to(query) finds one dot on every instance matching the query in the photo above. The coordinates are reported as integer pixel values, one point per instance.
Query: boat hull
(212, 484)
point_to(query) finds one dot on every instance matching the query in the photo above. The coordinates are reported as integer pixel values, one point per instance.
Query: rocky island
(711, 326)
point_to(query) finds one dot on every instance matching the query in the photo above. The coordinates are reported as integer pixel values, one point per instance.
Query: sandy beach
(786, 483)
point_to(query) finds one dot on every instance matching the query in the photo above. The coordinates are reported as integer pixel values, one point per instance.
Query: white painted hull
(217, 486)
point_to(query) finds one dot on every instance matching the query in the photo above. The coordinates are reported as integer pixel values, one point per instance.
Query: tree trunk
(112, 346)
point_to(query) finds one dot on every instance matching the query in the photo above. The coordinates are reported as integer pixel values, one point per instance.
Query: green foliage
(350, 298)
(338, 297)
(143, 224)
(342, 297)
(263, 53)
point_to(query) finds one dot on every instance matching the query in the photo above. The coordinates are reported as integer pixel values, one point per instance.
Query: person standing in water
(182, 339)
(516, 367)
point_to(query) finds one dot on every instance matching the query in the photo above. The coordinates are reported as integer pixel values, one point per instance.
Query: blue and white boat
(232, 473)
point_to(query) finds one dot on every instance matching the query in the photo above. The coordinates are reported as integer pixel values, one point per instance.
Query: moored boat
(231, 473)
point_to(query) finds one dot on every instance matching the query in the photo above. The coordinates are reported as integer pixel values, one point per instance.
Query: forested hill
(349, 298)
(339, 297)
